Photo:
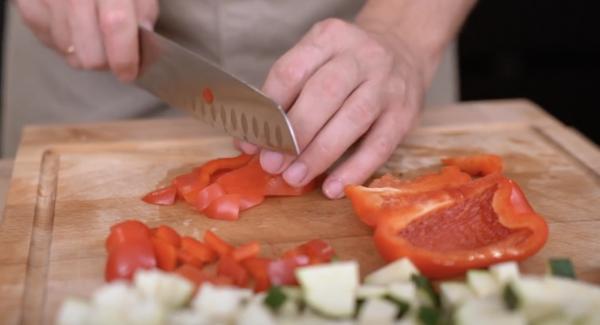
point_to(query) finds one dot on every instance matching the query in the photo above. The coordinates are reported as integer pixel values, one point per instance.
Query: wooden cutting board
(70, 183)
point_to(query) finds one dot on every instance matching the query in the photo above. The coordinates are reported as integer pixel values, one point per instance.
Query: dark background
(546, 51)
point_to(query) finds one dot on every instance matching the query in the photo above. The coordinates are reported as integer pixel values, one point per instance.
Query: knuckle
(383, 147)
(114, 20)
(376, 51)
(324, 149)
(325, 30)
(361, 113)
(92, 63)
(288, 73)
(332, 86)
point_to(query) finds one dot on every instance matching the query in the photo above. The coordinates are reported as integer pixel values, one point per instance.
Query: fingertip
(126, 73)
(333, 188)
(248, 148)
(271, 161)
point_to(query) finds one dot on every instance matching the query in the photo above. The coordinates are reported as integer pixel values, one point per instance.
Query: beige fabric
(244, 36)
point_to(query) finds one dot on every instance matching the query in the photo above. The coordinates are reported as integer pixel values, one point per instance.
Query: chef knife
(186, 80)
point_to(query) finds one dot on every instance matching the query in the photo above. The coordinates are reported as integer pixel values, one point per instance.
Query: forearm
(425, 26)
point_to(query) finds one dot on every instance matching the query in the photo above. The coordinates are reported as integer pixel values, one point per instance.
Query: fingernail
(271, 161)
(127, 75)
(148, 25)
(295, 174)
(248, 148)
(333, 189)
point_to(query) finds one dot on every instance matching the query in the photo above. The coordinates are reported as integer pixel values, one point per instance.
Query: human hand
(341, 83)
(92, 34)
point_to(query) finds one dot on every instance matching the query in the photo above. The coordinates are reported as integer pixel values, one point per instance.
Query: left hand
(342, 82)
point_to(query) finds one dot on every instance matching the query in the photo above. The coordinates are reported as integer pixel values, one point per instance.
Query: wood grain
(5, 172)
(52, 248)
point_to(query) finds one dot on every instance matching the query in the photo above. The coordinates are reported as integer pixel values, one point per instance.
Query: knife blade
(179, 77)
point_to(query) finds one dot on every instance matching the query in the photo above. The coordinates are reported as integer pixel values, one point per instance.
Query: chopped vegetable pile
(469, 215)
(332, 294)
(222, 188)
(131, 246)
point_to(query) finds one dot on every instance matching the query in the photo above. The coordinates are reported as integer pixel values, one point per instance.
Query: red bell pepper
(446, 231)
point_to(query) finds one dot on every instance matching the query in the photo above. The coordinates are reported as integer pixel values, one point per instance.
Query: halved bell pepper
(445, 231)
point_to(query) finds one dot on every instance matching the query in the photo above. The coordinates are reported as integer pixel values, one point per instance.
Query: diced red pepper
(217, 244)
(198, 249)
(245, 251)
(167, 234)
(166, 254)
(227, 266)
(259, 270)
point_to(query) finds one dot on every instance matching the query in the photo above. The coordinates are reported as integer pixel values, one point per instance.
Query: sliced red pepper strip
(167, 234)
(228, 267)
(225, 207)
(259, 270)
(163, 196)
(476, 165)
(217, 244)
(166, 254)
(447, 231)
(207, 195)
(188, 186)
(245, 251)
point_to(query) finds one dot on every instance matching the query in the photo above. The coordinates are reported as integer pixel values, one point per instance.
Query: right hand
(92, 34)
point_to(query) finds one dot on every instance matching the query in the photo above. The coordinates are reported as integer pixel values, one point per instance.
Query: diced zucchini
(169, 289)
(146, 312)
(399, 270)
(74, 311)
(482, 283)
(403, 291)
(116, 294)
(377, 311)
(371, 291)
(541, 298)
(275, 298)
(504, 272)
(561, 267)
(255, 313)
(487, 310)
(220, 303)
(511, 301)
(429, 315)
(425, 294)
(330, 288)
(188, 317)
(292, 292)
(291, 308)
(455, 293)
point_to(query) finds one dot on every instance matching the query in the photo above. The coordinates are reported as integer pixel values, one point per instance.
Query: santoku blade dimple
(179, 77)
